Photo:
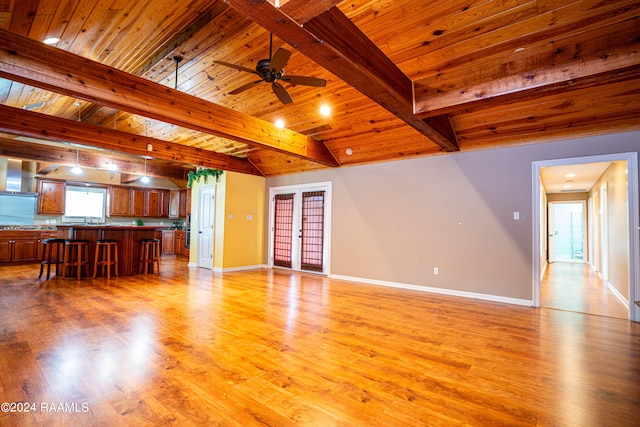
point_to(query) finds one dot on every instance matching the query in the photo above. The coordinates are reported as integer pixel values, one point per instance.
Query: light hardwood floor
(276, 348)
(576, 287)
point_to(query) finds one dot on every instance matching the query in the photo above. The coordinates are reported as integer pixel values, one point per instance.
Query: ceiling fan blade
(305, 80)
(244, 87)
(279, 60)
(281, 93)
(237, 67)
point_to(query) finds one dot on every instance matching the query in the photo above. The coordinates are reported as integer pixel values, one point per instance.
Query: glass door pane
(311, 251)
(283, 230)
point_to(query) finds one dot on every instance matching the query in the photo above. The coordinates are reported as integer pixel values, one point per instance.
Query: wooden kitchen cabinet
(156, 203)
(119, 201)
(138, 202)
(174, 203)
(51, 197)
(18, 246)
(168, 241)
(185, 203)
(180, 248)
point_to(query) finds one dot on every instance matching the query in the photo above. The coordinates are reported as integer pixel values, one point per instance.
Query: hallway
(575, 287)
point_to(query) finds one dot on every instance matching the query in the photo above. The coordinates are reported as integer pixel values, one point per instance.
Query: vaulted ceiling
(405, 78)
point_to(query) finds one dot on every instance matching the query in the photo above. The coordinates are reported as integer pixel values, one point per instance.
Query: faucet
(88, 220)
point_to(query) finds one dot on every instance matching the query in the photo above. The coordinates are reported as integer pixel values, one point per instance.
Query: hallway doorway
(586, 286)
(576, 287)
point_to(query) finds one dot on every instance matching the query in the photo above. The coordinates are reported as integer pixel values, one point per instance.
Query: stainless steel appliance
(187, 240)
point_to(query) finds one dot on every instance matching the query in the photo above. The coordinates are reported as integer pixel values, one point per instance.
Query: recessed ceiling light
(325, 110)
(570, 175)
(51, 40)
(349, 151)
(280, 123)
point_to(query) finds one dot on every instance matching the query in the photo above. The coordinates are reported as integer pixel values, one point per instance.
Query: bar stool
(149, 254)
(103, 257)
(76, 254)
(50, 257)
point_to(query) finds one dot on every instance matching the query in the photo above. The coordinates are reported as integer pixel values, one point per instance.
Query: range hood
(18, 176)
(14, 175)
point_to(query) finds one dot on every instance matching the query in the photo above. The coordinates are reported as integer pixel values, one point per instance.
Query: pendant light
(145, 179)
(76, 169)
(112, 166)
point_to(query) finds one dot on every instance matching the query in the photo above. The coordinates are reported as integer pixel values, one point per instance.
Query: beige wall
(239, 220)
(396, 221)
(615, 178)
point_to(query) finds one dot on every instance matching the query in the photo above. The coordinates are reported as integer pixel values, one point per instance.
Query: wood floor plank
(271, 347)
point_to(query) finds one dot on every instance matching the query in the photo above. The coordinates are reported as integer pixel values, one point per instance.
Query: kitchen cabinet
(18, 246)
(119, 201)
(185, 203)
(180, 246)
(156, 203)
(168, 241)
(138, 202)
(51, 197)
(175, 197)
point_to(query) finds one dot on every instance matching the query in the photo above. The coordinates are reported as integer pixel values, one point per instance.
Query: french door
(299, 231)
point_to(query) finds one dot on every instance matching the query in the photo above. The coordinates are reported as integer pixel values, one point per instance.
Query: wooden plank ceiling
(405, 78)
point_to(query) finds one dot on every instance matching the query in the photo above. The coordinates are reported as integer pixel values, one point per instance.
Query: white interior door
(206, 215)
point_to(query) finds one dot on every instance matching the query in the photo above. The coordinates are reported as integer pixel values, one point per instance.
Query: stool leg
(158, 257)
(116, 265)
(86, 260)
(42, 263)
(65, 261)
(79, 259)
(59, 258)
(49, 258)
(108, 265)
(95, 261)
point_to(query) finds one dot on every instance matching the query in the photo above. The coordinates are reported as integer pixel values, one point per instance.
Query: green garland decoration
(196, 174)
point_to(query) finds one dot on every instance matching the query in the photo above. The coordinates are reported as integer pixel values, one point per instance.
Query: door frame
(315, 186)
(632, 213)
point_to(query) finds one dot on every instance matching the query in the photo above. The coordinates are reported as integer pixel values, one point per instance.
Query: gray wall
(396, 221)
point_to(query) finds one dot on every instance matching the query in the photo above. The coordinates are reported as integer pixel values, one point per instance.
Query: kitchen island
(127, 236)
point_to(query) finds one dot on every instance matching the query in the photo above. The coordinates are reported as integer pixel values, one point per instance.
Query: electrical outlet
(436, 271)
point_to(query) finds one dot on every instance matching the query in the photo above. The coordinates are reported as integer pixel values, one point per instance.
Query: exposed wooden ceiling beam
(302, 11)
(611, 53)
(335, 43)
(36, 64)
(36, 125)
(49, 157)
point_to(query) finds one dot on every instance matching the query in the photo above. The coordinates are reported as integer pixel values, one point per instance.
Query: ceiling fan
(271, 70)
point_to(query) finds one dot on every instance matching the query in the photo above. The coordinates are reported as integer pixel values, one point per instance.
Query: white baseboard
(486, 297)
(243, 268)
(618, 294)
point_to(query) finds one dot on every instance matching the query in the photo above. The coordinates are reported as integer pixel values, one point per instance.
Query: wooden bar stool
(76, 254)
(52, 253)
(149, 254)
(103, 257)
